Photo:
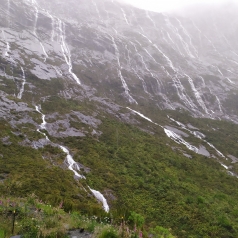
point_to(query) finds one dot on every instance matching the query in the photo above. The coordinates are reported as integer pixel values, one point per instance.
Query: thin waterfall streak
(124, 84)
(19, 96)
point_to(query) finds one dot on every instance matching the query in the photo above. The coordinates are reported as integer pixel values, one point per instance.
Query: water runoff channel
(72, 165)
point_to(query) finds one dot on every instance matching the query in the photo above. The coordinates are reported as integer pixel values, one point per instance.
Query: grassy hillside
(136, 171)
(135, 166)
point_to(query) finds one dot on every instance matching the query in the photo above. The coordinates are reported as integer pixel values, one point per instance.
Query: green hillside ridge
(195, 197)
(134, 164)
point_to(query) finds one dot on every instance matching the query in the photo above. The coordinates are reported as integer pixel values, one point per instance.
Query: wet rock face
(129, 55)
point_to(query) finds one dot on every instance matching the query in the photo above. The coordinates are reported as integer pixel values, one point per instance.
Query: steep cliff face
(129, 55)
(117, 93)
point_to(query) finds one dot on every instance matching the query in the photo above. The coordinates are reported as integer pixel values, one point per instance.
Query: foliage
(138, 171)
(160, 232)
(136, 219)
(106, 232)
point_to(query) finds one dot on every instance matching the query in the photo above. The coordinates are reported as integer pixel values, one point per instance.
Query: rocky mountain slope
(125, 99)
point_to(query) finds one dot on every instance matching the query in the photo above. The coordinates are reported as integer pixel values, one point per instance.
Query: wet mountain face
(118, 94)
(129, 55)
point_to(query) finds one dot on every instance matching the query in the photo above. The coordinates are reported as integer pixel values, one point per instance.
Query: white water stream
(197, 95)
(141, 115)
(72, 165)
(100, 198)
(178, 139)
(188, 36)
(7, 50)
(35, 5)
(172, 135)
(124, 84)
(219, 104)
(176, 33)
(19, 96)
(65, 50)
(199, 136)
(125, 17)
(148, 16)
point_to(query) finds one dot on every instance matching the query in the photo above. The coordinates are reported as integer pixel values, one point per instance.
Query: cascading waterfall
(128, 55)
(141, 115)
(65, 50)
(178, 85)
(168, 102)
(166, 58)
(125, 17)
(151, 56)
(43, 124)
(72, 165)
(219, 71)
(199, 32)
(7, 50)
(152, 75)
(176, 33)
(201, 137)
(176, 45)
(19, 96)
(186, 34)
(178, 139)
(219, 104)
(229, 80)
(172, 135)
(197, 136)
(163, 35)
(203, 81)
(130, 98)
(145, 66)
(52, 26)
(142, 80)
(180, 89)
(148, 16)
(100, 198)
(34, 3)
(6, 54)
(182, 94)
(197, 95)
(213, 46)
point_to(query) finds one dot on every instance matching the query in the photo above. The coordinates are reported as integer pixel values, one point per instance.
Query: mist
(180, 7)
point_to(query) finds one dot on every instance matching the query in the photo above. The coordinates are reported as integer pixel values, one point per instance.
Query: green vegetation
(149, 178)
(195, 198)
(23, 171)
(33, 218)
(135, 170)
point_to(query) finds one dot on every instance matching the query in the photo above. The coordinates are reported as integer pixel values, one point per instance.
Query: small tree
(137, 220)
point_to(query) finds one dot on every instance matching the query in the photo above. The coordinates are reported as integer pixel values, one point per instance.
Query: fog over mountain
(177, 6)
(85, 84)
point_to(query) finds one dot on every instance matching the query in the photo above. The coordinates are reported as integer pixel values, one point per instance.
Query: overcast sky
(170, 5)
